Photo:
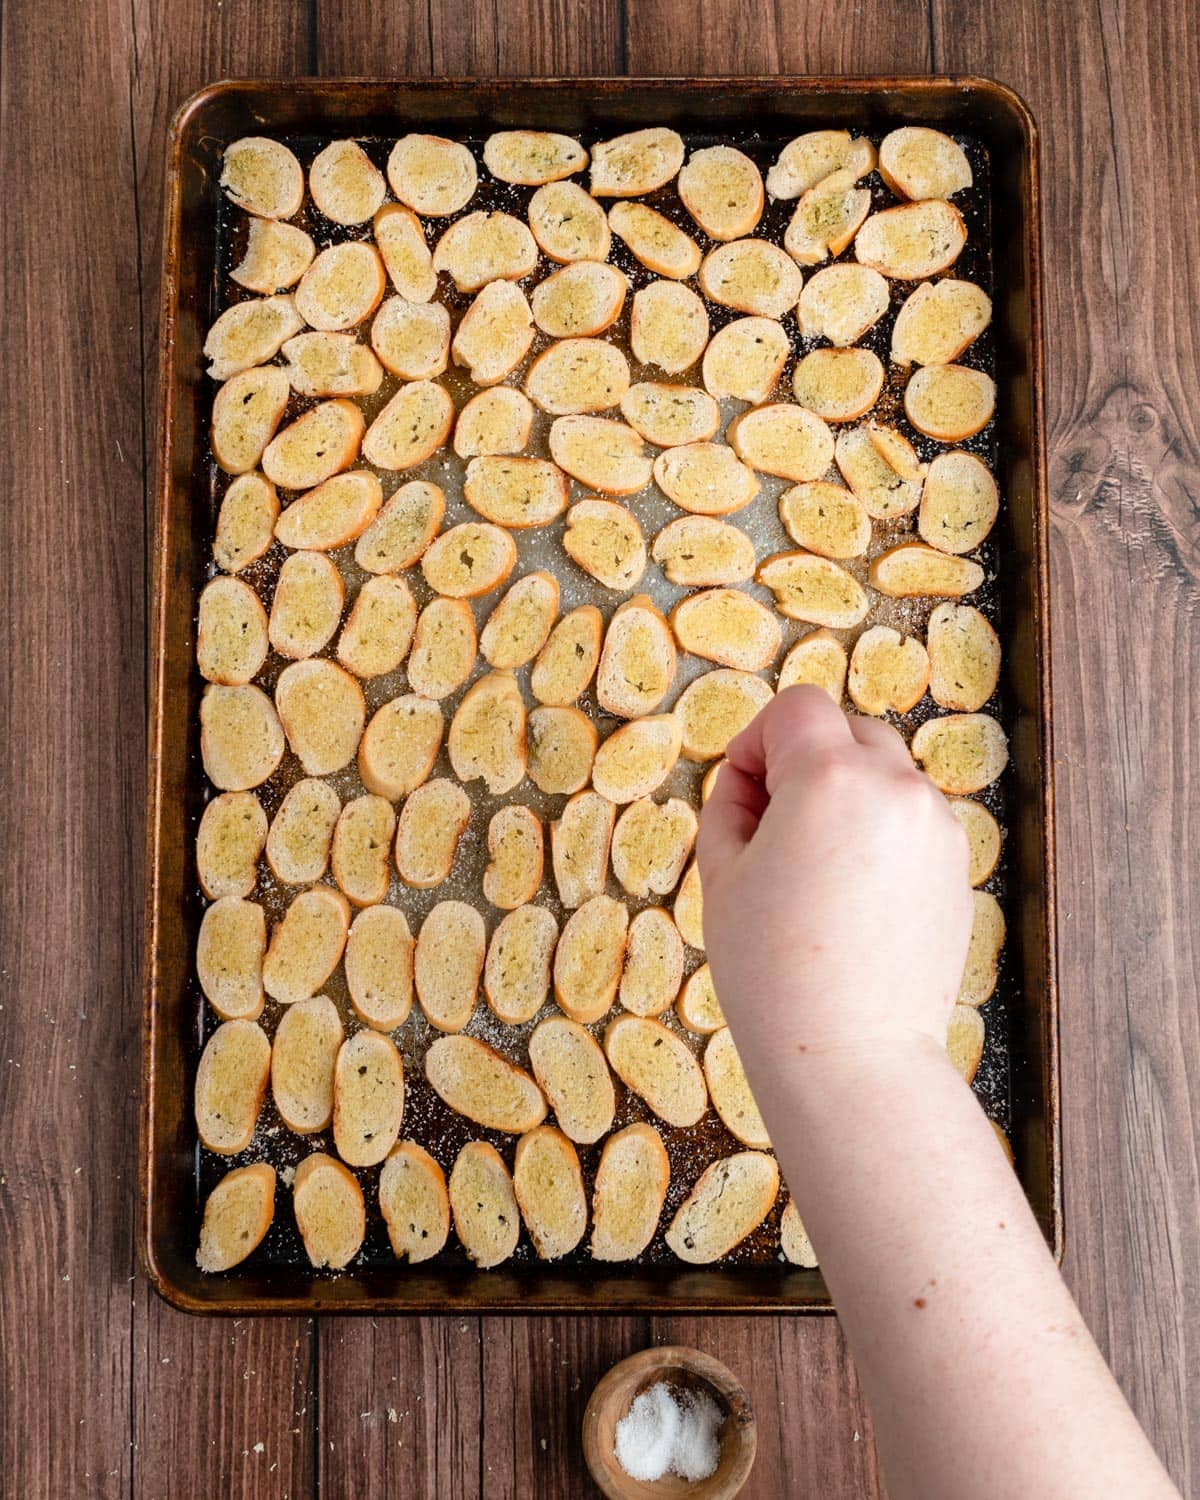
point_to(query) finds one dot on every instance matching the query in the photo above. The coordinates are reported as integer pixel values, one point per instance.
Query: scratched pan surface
(1017, 1081)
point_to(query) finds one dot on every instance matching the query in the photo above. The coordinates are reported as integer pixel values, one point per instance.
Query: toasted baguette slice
(548, 1185)
(331, 364)
(532, 157)
(516, 973)
(344, 285)
(579, 845)
(827, 218)
(301, 832)
(658, 1066)
(230, 1083)
(938, 321)
(475, 1081)
(241, 738)
(322, 711)
(307, 1041)
(495, 333)
(580, 300)
(729, 1202)
(745, 359)
(565, 664)
(949, 402)
(410, 428)
(641, 161)
(751, 276)
(368, 1098)
(814, 156)
(668, 327)
(709, 781)
(793, 1239)
(231, 836)
(400, 745)
(561, 749)
(414, 1202)
(516, 491)
(449, 961)
(379, 967)
(231, 632)
(493, 422)
(345, 184)
(574, 376)
(517, 628)
(838, 385)
(716, 707)
(841, 303)
(722, 189)
(699, 1010)
(306, 608)
(913, 241)
(412, 339)
(334, 513)
(983, 838)
(237, 1214)
(964, 1040)
(245, 522)
(315, 447)
(470, 559)
(819, 660)
(486, 1217)
(589, 958)
(959, 503)
(376, 636)
(689, 908)
(961, 753)
(483, 247)
(660, 245)
(516, 847)
(306, 945)
(964, 656)
(630, 1189)
(782, 439)
(434, 818)
(653, 963)
(246, 411)
(911, 568)
(651, 844)
(888, 672)
(670, 415)
(433, 176)
(444, 648)
(330, 1213)
(275, 257)
(701, 550)
(730, 1091)
(229, 957)
(918, 163)
(487, 733)
(399, 535)
(361, 843)
(605, 540)
(263, 177)
(727, 626)
(250, 333)
(826, 519)
(568, 223)
(707, 479)
(882, 469)
(602, 454)
(400, 239)
(637, 665)
(573, 1074)
(637, 758)
(983, 953)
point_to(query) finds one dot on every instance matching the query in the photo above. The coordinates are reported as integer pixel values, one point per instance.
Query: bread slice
(275, 257)
(246, 411)
(410, 428)
(565, 664)
(793, 1239)
(715, 707)
(231, 836)
(483, 247)
(827, 218)
(495, 333)
(399, 535)
(307, 605)
(709, 781)
(639, 162)
(487, 733)
(301, 832)
(815, 155)
(698, 1008)
(701, 550)
(516, 973)
(961, 753)
(412, 339)
(379, 967)
(548, 1185)
(917, 162)
(818, 659)
(605, 540)
(959, 504)
(630, 1189)
(307, 1041)
(573, 1074)
(561, 748)
(237, 1214)
(331, 364)
(342, 287)
(964, 1040)
(815, 589)
(376, 636)
(345, 184)
(668, 326)
(231, 1081)
(658, 1066)
(532, 157)
(263, 177)
(707, 479)
(730, 1091)
(964, 656)
(486, 1217)
(670, 415)
(727, 626)
(250, 333)
(400, 239)
(651, 844)
(983, 954)
(722, 189)
(568, 223)
(449, 961)
(838, 385)
(493, 422)
(600, 453)
(516, 847)
(782, 439)
(983, 838)
(245, 522)
(841, 303)
(949, 402)
(637, 665)
(241, 738)
(433, 176)
(316, 446)
(751, 276)
(580, 300)
(306, 945)
(476, 1082)
(660, 245)
(889, 672)
(433, 820)
(637, 758)
(731, 1199)
(470, 559)
(689, 908)
(330, 1213)
(322, 710)
(516, 491)
(579, 843)
(231, 632)
(589, 958)
(414, 1203)
(913, 241)
(443, 649)
(745, 360)
(826, 519)
(229, 957)
(400, 745)
(882, 469)
(938, 321)
(362, 841)
(517, 628)
(653, 968)
(368, 1098)
(911, 569)
(574, 376)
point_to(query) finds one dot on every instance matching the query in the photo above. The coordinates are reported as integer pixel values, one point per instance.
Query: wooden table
(110, 1393)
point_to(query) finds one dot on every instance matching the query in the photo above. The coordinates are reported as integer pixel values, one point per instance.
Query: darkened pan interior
(225, 111)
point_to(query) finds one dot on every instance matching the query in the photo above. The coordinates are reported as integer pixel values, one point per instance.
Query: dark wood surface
(109, 1393)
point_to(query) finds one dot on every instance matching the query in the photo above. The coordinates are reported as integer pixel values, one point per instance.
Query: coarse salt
(664, 1433)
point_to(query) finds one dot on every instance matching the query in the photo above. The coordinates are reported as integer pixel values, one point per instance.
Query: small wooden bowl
(686, 1369)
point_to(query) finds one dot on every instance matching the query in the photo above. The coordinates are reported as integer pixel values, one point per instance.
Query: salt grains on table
(663, 1433)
